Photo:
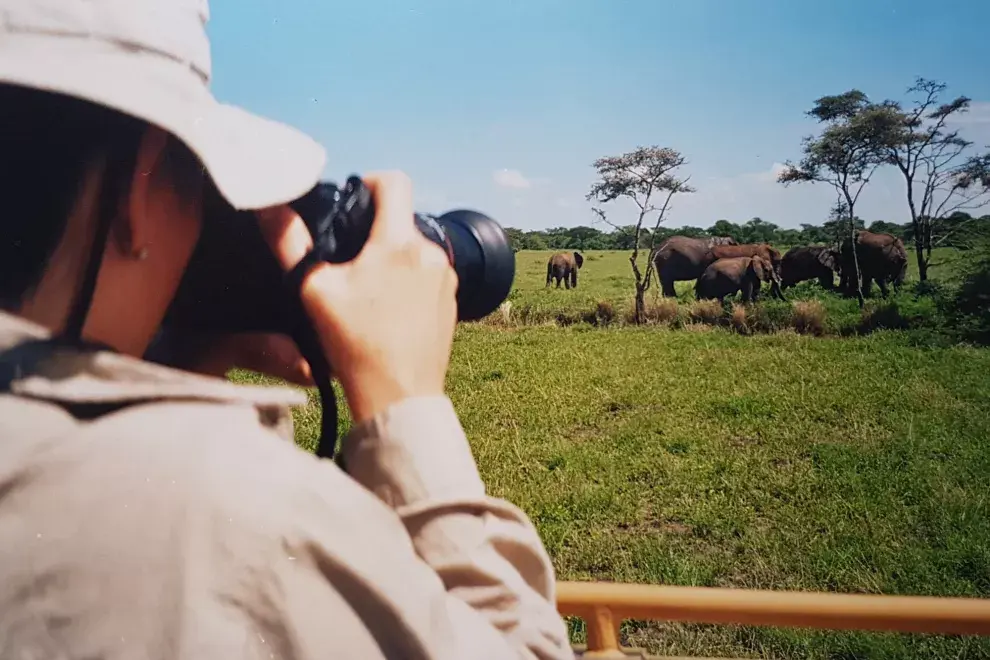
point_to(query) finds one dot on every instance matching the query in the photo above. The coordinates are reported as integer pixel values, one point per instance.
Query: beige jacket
(188, 525)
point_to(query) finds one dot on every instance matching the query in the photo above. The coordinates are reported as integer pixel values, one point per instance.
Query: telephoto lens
(340, 221)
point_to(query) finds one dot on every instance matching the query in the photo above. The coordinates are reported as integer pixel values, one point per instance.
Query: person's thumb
(393, 224)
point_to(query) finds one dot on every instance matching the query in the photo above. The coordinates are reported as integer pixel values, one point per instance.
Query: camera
(234, 283)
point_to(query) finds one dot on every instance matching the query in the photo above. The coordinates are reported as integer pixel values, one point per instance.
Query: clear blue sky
(503, 105)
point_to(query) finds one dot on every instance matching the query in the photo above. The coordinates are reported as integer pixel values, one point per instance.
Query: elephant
(681, 258)
(881, 257)
(564, 266)
(724, 277)
(807, 263)
(722, 240)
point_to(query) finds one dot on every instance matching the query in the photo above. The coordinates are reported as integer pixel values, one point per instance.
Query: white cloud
(767, 176)
(978, 113)
(507, 178)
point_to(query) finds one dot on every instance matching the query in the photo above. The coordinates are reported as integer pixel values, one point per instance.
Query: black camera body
(235, 284)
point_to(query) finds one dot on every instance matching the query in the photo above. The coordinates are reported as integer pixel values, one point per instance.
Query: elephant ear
(829, 258)
(756, 268)
(579, 259)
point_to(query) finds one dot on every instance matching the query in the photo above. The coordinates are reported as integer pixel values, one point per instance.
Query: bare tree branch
(638, 175)
(927, 155)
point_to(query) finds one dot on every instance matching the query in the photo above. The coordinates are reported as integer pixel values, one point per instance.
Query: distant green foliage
(755, 230)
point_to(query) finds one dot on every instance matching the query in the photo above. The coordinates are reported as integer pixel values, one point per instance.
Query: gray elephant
(881, 257)
(809, 262)
(726, 277)
(564, 266)
(722, 240)
(681, 258)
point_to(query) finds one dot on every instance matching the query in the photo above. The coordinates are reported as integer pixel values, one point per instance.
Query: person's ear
(132, 230)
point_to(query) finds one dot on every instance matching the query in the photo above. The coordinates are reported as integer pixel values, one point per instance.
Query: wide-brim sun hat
(151, 59)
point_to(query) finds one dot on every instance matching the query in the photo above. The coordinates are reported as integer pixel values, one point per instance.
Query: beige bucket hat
(151, 59)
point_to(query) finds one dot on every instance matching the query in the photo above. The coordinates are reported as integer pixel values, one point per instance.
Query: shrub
(664, 310)
(769, 316)
(970, 307)
(738, 319)
(808, 317)
(885, 316)
(604, 314)
(705, 311)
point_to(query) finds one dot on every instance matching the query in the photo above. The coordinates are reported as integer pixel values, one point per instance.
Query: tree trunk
(918, 234)
(855, 256)
(923, 274)
(640, 305)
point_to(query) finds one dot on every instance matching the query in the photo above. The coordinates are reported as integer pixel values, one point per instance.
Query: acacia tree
(845, 155)
(639, 175)
(940, 178)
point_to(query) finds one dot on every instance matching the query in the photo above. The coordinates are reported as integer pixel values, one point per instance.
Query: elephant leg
(668, 288)
(882, 283)
(574, 278)
(867, 285)
(567, 282)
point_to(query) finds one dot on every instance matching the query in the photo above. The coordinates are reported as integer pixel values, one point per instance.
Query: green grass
(703, 457)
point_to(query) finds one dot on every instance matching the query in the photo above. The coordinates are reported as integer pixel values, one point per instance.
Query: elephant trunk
(776, 290)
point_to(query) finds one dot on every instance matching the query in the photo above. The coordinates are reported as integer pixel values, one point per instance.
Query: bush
(705, 311)
(665, 311)
(970, 307)
(808, 317)
(770, 316)
(885, 316)
(604, 314)
(738, 319)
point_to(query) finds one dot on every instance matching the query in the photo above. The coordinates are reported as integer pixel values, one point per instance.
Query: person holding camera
(151, 512)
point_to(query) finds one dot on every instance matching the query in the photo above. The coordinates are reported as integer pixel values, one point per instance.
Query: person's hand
(386, 319)
(266, 353)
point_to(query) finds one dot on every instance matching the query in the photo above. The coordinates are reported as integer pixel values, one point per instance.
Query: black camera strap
(25, 358)
(308, 342)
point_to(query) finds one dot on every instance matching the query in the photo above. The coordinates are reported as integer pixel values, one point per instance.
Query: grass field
(700, 456)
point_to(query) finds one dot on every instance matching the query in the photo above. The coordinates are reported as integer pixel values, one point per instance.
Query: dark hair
(47, 141)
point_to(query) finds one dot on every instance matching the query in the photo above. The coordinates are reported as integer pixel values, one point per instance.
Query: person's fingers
(286, 234)
(392, 193)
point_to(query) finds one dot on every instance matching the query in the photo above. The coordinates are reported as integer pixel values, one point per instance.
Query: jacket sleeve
(416, 459)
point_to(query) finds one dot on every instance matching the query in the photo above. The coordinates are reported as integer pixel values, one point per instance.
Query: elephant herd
(721, 267)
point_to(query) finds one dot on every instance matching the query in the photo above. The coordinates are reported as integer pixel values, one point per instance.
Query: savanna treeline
(960, 230)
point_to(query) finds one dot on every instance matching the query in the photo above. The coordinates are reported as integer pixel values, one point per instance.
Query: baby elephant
(725, 277)
(564, 266)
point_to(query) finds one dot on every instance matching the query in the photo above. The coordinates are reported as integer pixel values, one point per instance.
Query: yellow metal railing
(604, 605)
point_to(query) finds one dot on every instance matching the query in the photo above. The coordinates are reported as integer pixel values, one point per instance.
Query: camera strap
(24, 358)
(308, 342)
